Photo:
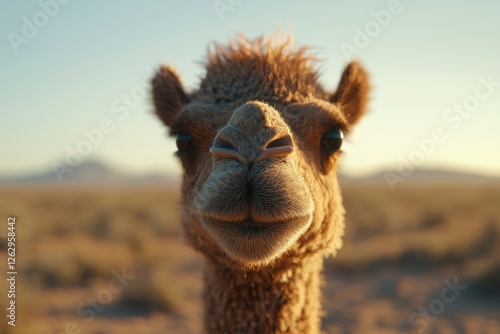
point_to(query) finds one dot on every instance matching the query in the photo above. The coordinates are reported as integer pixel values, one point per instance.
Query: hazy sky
(64, 73)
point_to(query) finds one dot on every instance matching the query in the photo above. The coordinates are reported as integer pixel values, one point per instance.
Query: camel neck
(283, 299)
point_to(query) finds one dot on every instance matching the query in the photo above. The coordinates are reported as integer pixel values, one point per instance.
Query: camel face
(259, 142)
(243, 203)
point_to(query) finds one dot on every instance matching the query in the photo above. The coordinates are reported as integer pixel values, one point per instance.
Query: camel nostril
(223, 143)
(224, 149)
(283, 141)
(280, 147)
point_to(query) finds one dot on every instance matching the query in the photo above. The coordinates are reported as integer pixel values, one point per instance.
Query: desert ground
(93, 260)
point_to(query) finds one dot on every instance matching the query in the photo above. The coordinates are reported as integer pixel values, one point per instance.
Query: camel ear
(352, 92)
(168, 95)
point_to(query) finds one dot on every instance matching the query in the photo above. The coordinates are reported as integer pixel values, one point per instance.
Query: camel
(259, 141)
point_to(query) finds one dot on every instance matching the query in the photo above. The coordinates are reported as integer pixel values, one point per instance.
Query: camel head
(259, 141)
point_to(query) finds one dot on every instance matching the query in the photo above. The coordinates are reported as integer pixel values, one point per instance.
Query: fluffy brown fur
(260, 196)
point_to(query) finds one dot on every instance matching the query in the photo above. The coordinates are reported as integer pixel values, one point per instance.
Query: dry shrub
(152, 290)
(75, 260)
(418, 225)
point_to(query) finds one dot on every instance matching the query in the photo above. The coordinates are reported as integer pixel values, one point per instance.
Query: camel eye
(185, 143)
(331, 141)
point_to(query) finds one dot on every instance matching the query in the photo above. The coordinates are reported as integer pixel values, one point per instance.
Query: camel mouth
(248, 228)
(255, 243)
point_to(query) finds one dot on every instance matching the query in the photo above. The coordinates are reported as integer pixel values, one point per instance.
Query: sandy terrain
(401, 251)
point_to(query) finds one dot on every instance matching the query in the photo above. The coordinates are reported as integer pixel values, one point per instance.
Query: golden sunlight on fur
(259, 142)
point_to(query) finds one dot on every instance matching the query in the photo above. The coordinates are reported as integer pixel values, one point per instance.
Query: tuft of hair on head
(272, 47)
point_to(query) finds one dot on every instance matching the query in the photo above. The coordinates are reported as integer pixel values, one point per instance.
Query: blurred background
(90, 176)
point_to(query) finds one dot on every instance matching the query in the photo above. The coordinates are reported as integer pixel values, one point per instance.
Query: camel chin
(253, 243)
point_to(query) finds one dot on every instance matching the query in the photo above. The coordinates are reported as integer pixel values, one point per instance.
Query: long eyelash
(176, 128)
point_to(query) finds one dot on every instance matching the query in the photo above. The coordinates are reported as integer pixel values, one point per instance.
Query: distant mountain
(96, 173)
(425, 175)
(90, 173)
